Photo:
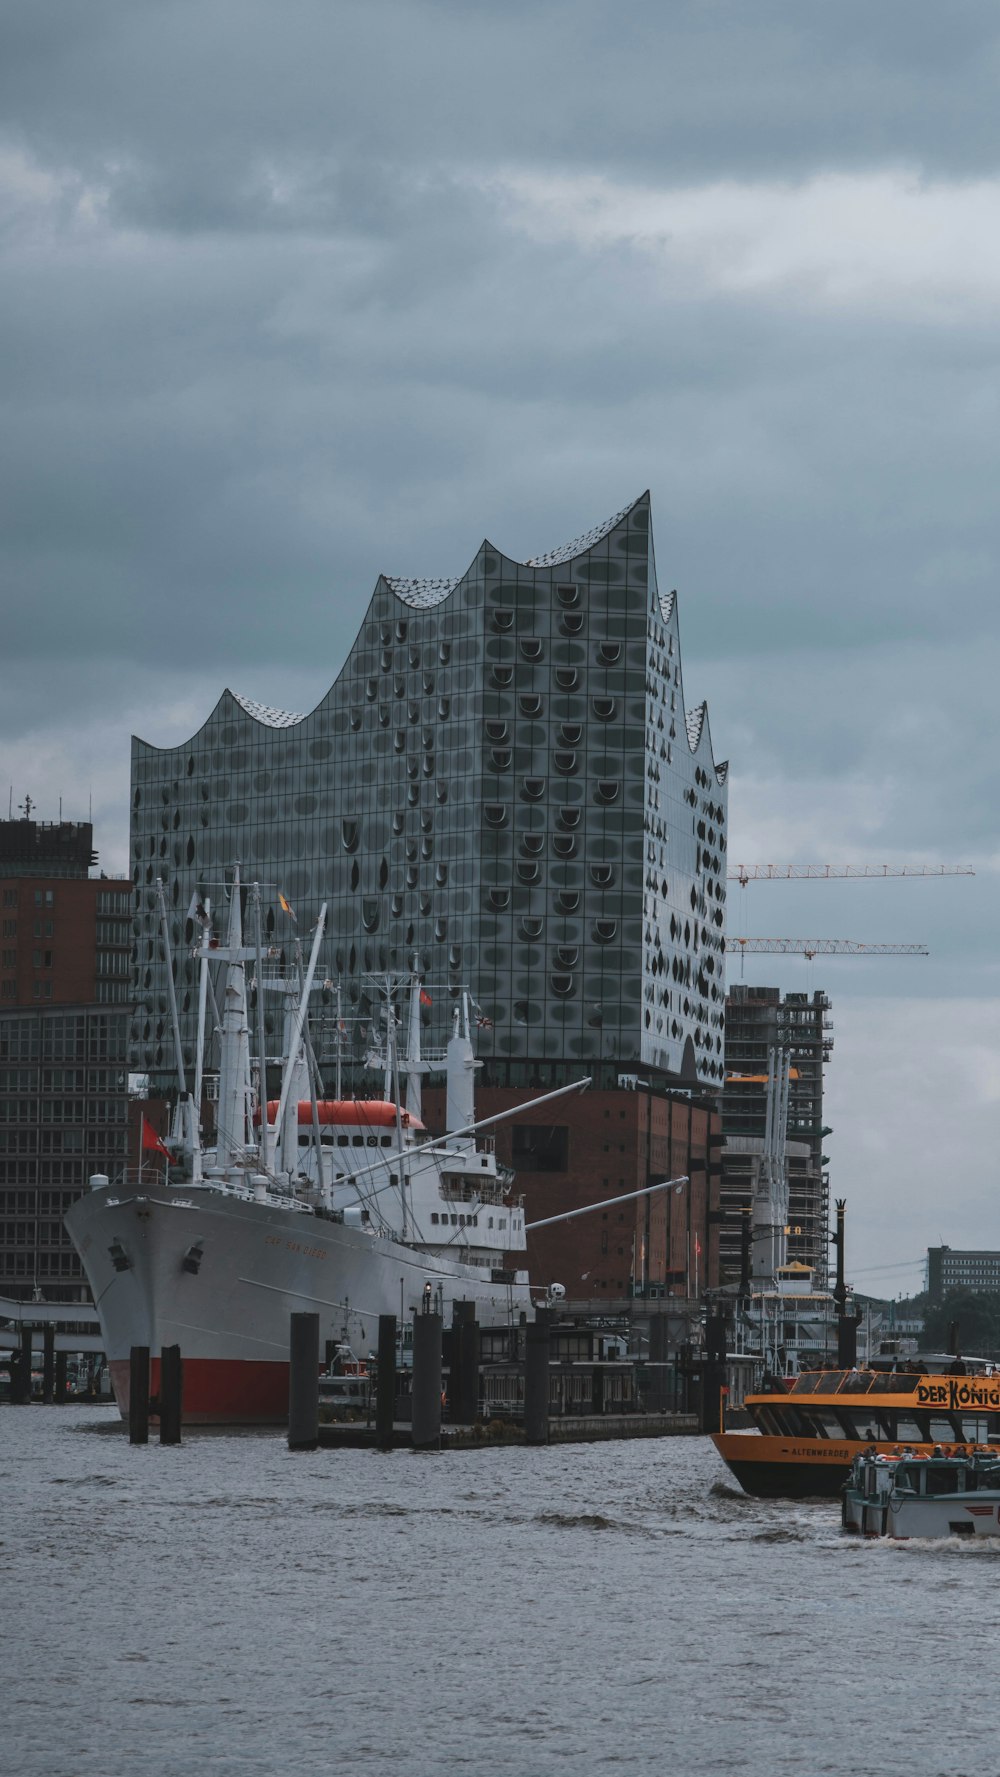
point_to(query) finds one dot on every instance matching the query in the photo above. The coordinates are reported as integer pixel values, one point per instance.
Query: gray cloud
(283, 306)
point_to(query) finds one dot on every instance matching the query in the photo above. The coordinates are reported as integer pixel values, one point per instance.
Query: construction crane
(744, 873)
(811, 947)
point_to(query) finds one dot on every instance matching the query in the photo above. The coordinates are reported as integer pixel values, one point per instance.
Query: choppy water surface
(226, 1607)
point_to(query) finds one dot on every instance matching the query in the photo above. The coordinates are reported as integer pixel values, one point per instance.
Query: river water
(226, 1608)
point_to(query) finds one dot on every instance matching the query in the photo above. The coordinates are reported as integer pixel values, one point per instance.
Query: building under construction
(759, 1019)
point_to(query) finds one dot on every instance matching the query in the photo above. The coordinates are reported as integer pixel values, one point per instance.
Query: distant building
(758, 1019)
(951, 1268)
(65, 968)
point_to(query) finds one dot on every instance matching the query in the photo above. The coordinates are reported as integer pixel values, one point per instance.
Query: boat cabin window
(908, 1429)
(857, 1382)
(829, 1381)
(342, 1141)
(943, 1480)
(823, 1425)
(976, 1431)
(943, 1430)
(895, 1382)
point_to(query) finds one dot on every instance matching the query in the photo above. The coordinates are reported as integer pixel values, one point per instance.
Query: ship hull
(786, 1468)
(219, 1276)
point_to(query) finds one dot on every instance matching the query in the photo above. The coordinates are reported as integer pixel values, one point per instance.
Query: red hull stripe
(218, 1391)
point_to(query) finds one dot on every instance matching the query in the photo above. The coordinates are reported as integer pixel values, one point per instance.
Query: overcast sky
(294, 294)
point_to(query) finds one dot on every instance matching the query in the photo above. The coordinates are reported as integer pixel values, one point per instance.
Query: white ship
(340, 1207)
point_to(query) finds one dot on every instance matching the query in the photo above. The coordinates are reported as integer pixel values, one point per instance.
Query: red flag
(425, 998)
(151, 1143)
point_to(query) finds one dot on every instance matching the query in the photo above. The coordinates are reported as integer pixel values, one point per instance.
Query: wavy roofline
(423, 593)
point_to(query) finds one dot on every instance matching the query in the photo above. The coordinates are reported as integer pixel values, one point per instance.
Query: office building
(957, 1268)
(65, 968)
(759, 1019)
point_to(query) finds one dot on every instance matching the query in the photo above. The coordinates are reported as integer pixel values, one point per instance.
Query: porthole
(494, 814)
(605, 930)
(571, 733)
(496, 731)
(503, 620)
(568, 955)
(371, 690)
(569, 817)
(608, 790)
(441, 875)
(499, 899)
(401, 632)
(500, 758)
(567, 678)
(355, 721)
(502, 676)
(399, 740)
(531, 647)
(565, 763)
(369, 913)
(571, 623)
(609, 652)
(349, 835)
(532, 844)
(568, 901)
(444, 652)
(533, 789)
(441, 928)
(564, 845)
(530, 705)
(561, 985)
(568, 596)
(527, 872)
(604, 708)
(398, 823)
(531, 928)
(603, 875)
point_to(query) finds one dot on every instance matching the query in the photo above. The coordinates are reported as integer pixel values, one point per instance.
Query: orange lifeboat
(359, 1113)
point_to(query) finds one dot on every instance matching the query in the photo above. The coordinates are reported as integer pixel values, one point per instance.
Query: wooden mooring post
(385, 1386)
(138, 1395)
(171, 1394)
(303, 1382)
(536, 1378)
(427, 1329)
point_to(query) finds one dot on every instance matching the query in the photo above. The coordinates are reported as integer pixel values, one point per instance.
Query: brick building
(605, 1143)
(65, 966)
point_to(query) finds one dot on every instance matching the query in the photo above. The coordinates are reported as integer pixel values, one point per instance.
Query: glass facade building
(503, 782)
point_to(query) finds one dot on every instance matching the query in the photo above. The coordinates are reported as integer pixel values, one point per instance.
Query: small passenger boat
(906, 1494)
(808, 1429)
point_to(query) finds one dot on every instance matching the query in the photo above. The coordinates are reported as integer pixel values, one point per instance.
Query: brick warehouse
(604, 1143)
